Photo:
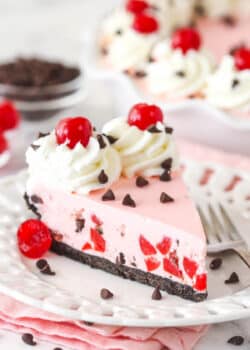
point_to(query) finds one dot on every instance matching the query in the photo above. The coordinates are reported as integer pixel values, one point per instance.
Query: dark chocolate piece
(101, 141)
(169, 130)
(165, 176)
(36, 199)
(165, 198)
(167, 164)
(128, 201)
(156, 294)
(58, 349)
(234, 278)
(106, 294)
(44, 267)
(87, 323)
(141, 181)
(103, 177)
(80, 223)
(108, 196)
(153, 129)
(229, 20)
(236, 340)
(28, 339)
(235, 83)
(215, 264)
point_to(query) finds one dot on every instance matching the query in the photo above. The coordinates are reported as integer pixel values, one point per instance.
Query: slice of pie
(116, 201)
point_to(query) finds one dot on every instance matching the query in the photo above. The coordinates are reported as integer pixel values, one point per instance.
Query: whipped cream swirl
(142, 152)
(175, 74)
(229, 88)
(74, 169)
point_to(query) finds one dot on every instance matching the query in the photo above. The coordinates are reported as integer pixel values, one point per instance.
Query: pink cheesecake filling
(166, 239)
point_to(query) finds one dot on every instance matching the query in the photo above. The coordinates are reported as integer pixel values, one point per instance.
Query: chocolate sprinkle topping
(140, 74)
(165, 176)
(215, 264)
(111, 139)
(80, 223)
(229, 20)
(28, 339)
(167, 164)
(141, 181)
(153, 129)
(103, 177)
(128, 201)
(169, 130)
(180, 74)
(165, 198)
(234, 278)
(235, 83)
(106, 294)
(36, 199)
(108, 196)
(44, 267)
(156, 294)
(101, 141)
(236, 340)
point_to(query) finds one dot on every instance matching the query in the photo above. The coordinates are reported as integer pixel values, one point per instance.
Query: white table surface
(32, 18)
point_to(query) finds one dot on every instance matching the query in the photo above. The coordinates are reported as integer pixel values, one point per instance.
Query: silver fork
(222, 235)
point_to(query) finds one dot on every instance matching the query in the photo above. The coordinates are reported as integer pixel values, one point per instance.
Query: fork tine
(229, 225)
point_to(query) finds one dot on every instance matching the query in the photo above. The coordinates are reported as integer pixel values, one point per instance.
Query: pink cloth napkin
(20, 318)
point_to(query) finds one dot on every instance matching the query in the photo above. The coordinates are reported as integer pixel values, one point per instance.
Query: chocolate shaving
(235, 83)
(140, 74)
(120, 259)
(229, 20)
(165, 176)
(234, 278)
(36, 199)
(111, 139)
(108, 196)
(165, 198)
(167, 164)
(141, 181)
(106, 294)
(101, 141)
(103, 177)
(169, 130)
(236, 340)
(153, 129)
(215, 264)
(128, 201)
(80, 223)
(28, 339)
(156, 294)
(44, 267)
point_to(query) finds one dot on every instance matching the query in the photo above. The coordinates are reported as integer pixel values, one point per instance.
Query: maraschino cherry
(144, 115)
(70, 131)
(34, 238)
(242, 58)
(186, 39)
(145, 24)
(136, 6)
(9, 116)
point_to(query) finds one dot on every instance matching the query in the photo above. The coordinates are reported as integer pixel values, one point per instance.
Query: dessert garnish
(80, 223)
(44, 267)
(141, 181)
(108, 196)
(128, 201)
(165, 198)
(156, 294)
(186, 39)
(28, 339)
(145, 24)
(242, 58)
(236, 340)
(106, 294)
(144, 116)
(34, 238)
(136, 6)
(165, 176)
(215, 264)
(234, 278)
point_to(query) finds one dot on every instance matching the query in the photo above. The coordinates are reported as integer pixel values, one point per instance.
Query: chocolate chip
(28, 339)
(106, 294)
(215, 264)
(128, 201)
(34, 147)
(234, 278)
(111, 139)
(151, 59)
(165, 176)
(141, 181)
(165, 198)
(169, 130)
(133, 264)
(36, 199)
(167, 164)
(235, 83)
(140, 74)
(42, 134)
(236, 340)
(153, 129)
(180, 74)
(44, 267)
(101, 141)
(103, 178)
(108, 196)
(58, 349)
(120, 259)
(87, 323)
(156, 294)
(118, 32)
(80, 223)
(229, 20)
(200, 10)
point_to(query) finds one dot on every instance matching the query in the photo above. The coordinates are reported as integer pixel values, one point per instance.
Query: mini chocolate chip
(167, 164)
(104, 51)
(34, 147)
(120, 259)
(165, 198)
(133, 264)
(103, 178)
(236, 340)
(200, 10)
(141, 181)
(106, 294)
(215, 264)
(87, 323)
(44, 267)
(42, 134)
(234, 278)
(118, 32)
(128, 201)
(235, 83)
(151, 59)
(101, 141)
(108, 196)
(111, 139)
(36, 199)
(28, 339)
(165, 176)
(80, 223)
(156, 294)
(229, 20)
(153, 129)
(169, 130)
(140, 74)
(58, 349)
(180, 74)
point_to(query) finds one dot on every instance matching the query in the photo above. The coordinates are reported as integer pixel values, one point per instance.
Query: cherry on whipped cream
(144, 115)
(242, 58)
(136, 6)
(9, 116)
(145, 24)
(34, 238)
(186, 39)
(3, 144)
(73, 130)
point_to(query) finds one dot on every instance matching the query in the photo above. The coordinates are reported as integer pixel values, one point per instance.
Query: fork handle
(243, 254)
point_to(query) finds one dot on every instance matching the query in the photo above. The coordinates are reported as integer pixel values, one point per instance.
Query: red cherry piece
(73, 130)
(164, 245)
(97, 239)
(34, 238)
(146, 246)
(242, 59)
(87, 246)
(144, 115)
(171, 267)
(152, 264)
(96, 220)
(9, 116)
(3, 143)
(145, 24)
(186, 39)
(136, 6)
(190, 267)
(201, 282)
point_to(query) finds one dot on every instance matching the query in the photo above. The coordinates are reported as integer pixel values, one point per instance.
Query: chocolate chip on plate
(103, 177)
(165, 176)
(234, 278)
(165, 198)
(106, 294)
(28, 339)
(80, 223)
(128, 201)
(44, 267)
(141, 181)
(108, 196)
(236, 340)
(156, 294)
(215, 264)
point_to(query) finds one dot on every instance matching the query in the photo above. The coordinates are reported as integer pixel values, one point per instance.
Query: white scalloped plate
(74, 291)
